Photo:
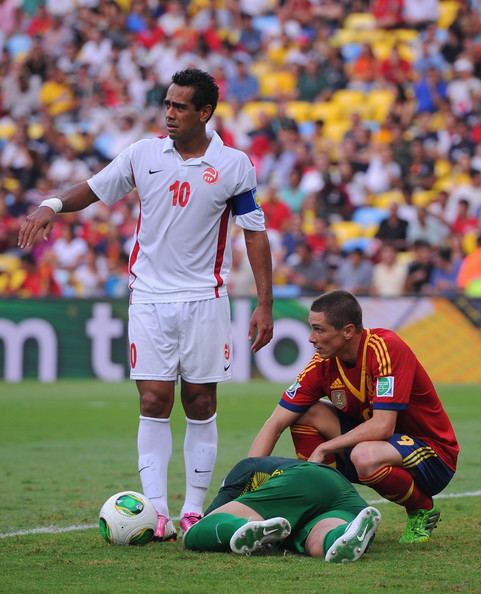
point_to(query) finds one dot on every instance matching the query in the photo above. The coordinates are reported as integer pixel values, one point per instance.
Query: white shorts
(191, 340)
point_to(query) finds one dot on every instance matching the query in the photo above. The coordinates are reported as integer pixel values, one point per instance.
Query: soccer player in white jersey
(190, 187)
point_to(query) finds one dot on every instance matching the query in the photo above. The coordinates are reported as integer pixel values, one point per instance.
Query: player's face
(327, 340)
(183, 121)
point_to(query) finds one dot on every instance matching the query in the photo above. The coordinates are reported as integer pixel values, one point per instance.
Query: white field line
(57, 530)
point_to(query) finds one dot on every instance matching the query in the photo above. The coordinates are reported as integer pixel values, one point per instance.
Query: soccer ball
(127, 518)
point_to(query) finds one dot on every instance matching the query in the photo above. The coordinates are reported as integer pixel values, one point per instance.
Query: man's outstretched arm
(38, 224)
(272, 429)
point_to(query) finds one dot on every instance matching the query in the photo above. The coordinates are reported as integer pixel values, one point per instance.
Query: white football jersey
(182, 248)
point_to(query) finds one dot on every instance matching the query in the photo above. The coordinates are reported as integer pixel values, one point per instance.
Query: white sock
(200, 452)
(154, 444)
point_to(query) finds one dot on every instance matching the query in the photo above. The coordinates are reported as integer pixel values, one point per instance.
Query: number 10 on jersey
(180, 193)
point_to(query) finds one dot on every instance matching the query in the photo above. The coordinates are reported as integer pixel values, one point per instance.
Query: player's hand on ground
(36, 226)
(261, 326)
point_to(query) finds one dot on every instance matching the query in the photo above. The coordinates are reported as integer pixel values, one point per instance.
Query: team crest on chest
(210, 175)
(338, 398)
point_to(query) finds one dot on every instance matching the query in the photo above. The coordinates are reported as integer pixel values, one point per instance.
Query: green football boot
(420, 525)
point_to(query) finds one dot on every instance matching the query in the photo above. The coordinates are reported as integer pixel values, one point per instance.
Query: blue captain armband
(245, 202)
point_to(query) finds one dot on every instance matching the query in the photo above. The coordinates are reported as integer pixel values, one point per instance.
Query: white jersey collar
(210, 155)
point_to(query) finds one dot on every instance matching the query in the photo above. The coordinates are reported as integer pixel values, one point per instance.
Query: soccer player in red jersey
(383, 422)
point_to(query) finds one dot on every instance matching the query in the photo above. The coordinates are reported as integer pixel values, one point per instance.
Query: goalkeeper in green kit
(309, 508)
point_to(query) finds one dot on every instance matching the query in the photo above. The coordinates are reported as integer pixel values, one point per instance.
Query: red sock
(306, 439)
(397, 484)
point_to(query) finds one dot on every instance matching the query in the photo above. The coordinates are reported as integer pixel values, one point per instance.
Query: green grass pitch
(66, 447)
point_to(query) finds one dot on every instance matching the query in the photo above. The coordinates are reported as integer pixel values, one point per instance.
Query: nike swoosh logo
(226, 367)
(200, 471)
(267, 532)
(361, 538)
(156, 171)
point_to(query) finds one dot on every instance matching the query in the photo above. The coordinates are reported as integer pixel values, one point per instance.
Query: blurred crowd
(362, 118)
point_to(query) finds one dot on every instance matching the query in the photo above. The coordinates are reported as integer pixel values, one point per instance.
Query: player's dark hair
(340, 308)
(206, 90)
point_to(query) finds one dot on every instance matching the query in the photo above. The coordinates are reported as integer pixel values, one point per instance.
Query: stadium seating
(346, 230)
(301, 111)
(448, 11)
(360, 20)
(277, 84)
(423, 197)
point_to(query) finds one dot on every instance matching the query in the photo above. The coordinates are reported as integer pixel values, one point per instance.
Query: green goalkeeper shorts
(301, 494)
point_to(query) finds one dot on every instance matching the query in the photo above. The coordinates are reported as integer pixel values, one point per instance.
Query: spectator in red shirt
(388, 13)
(277, 213)
(464, 222)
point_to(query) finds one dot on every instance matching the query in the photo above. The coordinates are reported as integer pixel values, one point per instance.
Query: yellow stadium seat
(342, 37)
(437, 121)
(460, 178)
(301, 111)
(405, 35)
(364, 109)
(386, 198)
(423, 197)
(35, 130)
(254, 108)
(360, 20)
(348, 97)
(442, 168)
(380, 101)
(76, 141)
(406, 52)
(444, 183)
(382, 49)
(11, 184)
(469, 242)
(448, 11)
(260, 67)
(326, 111)
(405, 257)
(224, 110)
(346, 230)
(275, 84)
(370, 230)
(336, 130)
(277, 55)
(7, 128)
(124, 5)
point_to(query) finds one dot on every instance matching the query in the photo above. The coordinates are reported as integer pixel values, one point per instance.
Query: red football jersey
(387, 376)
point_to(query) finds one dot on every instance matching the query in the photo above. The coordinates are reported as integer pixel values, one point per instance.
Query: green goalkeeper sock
(333, 535)
(213, 532)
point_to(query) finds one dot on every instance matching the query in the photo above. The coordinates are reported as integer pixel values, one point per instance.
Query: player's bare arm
(259, 254)
(39, 223)
(379, 427)
(272, 429)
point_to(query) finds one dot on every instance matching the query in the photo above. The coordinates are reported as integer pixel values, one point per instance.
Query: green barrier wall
(51, 339)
